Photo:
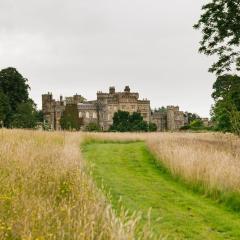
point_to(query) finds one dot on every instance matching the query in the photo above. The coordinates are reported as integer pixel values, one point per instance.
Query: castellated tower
(52, 110)
(48, 110)
(175, 118)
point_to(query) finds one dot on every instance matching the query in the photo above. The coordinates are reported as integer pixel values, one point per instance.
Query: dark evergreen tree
(70, 119)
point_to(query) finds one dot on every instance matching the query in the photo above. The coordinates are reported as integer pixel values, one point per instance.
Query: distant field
(47, 192)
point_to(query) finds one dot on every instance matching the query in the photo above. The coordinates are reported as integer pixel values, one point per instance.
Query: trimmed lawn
(129, 171)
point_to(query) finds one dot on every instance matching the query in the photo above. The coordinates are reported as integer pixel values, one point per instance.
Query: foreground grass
(45, 193)
(130, 172)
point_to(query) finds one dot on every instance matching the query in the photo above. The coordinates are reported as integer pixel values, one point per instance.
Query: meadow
(60, 185)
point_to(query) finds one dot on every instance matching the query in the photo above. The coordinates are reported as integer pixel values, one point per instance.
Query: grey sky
(82, 46)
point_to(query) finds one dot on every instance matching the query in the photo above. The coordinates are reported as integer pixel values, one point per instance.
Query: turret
(112, 90)
(46, 101)
(127, 89)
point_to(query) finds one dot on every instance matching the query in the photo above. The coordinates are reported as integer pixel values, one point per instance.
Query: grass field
(208, 162)
(129, 171)
(46, 191)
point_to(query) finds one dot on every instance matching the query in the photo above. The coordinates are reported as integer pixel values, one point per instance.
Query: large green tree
(226, 110)
(14, 86)
(16, 108)
(220, 26)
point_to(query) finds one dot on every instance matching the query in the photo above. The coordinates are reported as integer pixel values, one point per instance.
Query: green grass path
(129, 171)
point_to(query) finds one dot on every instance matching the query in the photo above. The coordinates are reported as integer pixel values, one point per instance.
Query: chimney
(127, 89)
(112, 90)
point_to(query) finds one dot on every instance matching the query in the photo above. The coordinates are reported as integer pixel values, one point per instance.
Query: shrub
(93, 127)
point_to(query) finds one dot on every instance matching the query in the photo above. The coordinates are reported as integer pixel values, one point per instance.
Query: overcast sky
(82, 46)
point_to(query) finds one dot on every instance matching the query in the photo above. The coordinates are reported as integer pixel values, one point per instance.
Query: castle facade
(101, 110)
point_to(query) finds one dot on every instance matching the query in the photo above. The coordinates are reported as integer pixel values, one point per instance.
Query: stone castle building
(171, 119)
(101, 110)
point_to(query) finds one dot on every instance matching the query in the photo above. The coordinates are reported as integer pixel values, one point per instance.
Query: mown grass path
(130, 172)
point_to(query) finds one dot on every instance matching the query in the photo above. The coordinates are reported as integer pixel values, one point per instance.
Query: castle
(101, 110)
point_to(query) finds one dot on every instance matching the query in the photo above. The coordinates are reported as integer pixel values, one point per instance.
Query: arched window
(94, 115)
(80, 114)
(87, 114)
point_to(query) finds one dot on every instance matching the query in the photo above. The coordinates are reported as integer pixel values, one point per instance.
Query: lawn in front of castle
(129, 170)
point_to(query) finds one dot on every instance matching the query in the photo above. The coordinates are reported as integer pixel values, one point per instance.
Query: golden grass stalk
(45, 192)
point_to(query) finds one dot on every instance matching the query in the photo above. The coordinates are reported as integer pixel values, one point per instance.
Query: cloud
(87, 45)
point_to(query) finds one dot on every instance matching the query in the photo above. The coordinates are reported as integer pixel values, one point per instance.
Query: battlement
(173, 108)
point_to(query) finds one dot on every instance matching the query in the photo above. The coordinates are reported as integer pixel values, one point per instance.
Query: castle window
(94, 115)
(80, 114)
(87, 114)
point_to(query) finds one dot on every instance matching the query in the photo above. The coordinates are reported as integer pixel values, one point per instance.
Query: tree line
(17, 109)
(220, 27)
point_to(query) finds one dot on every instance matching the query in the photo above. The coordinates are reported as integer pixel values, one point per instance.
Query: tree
(39, 116)
(4, 107)
(191, 117)
(93, 127)
(152, 127)
(196, 124)
(225, 112)
(14, 86)
(161, 110)
(235, 120)
(13, 93)
(120, 122)
(227, 87)
(70, 119)
(126, 122)
(220, 26)
(25, 115)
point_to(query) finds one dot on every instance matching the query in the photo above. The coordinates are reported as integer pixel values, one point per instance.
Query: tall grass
(45, 192)
(208, 162)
